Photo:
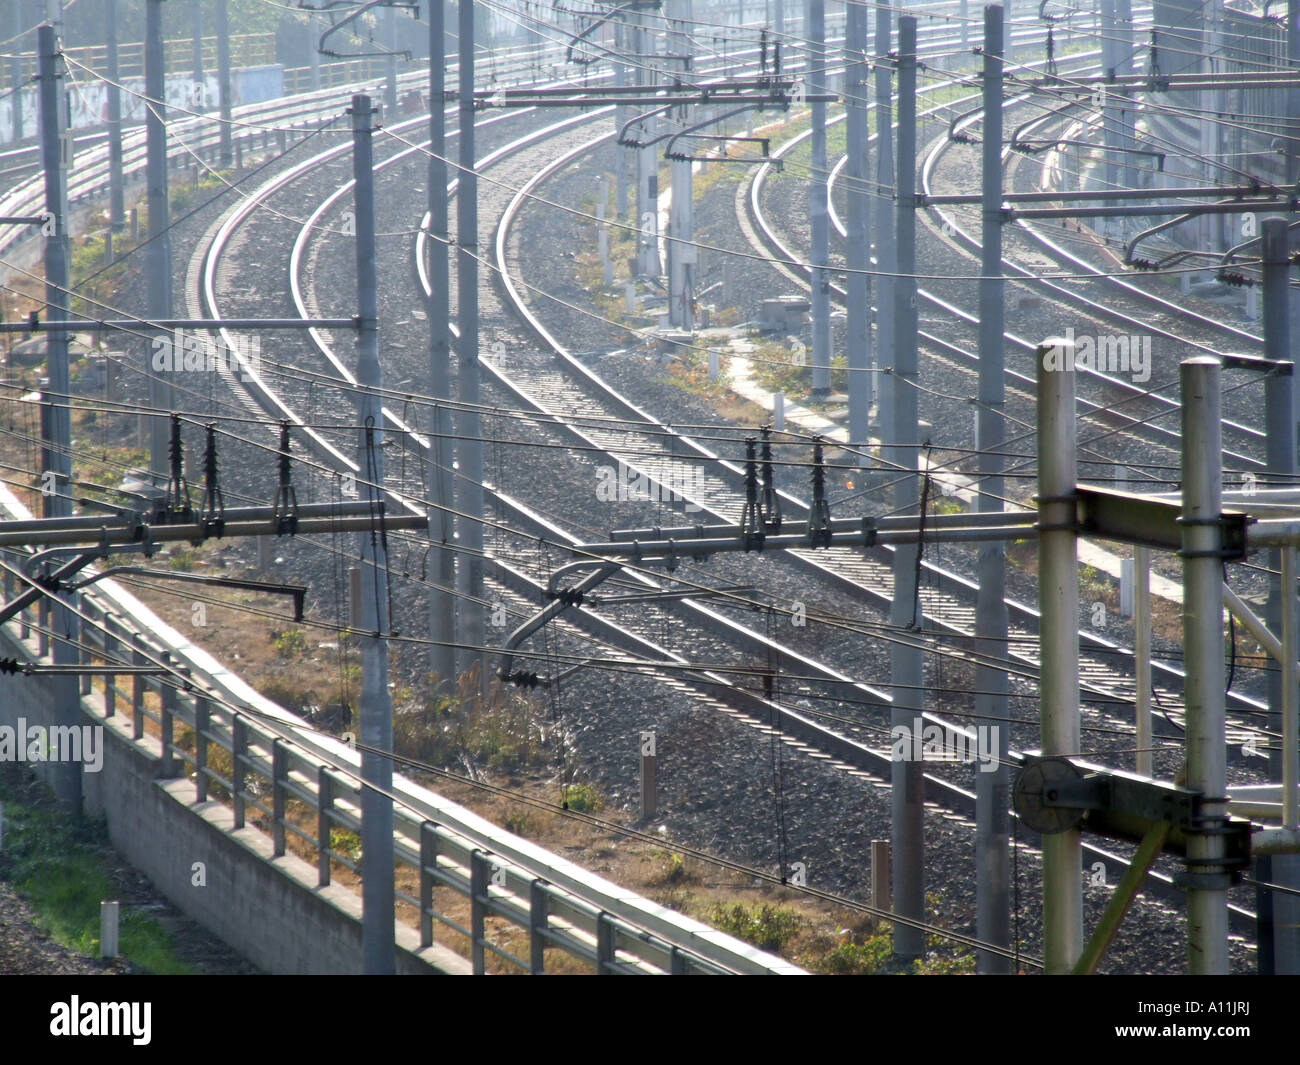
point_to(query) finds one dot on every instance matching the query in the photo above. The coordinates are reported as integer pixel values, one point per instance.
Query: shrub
(767, 927)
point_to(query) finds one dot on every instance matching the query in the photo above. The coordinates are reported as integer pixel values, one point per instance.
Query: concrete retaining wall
(268, 909)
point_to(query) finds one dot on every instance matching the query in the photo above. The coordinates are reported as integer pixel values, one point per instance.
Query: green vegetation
(768, 927)
(61, 865)
(290, 643)
(583, 798)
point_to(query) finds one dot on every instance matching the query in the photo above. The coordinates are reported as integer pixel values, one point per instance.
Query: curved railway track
(567, 396)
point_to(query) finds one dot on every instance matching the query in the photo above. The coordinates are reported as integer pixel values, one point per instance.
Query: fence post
(604, 944)
(202, 718)
(478, 889)
(324, 806)
(137, 689)
(428, 864)
(110, 679)
(238, 751)
(538, 915)
(167, 700)
(279, 767)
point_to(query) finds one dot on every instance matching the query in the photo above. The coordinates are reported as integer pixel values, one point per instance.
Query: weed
(768, 927)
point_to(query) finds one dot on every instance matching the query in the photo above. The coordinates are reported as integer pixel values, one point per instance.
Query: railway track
(558, 388)
(1105, 666)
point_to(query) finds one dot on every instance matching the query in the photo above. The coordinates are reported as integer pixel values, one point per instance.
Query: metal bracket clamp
(1232, 537)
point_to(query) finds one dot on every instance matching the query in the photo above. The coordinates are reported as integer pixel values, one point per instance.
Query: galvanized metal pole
(1202, 471)
(818, 207)
(1058, 604)
(647, 163)
(1110, 101)
(907, 776)
(1142, 655)
(376, 704)
(56, 426)
(16, 66)
(681, 255)
(992, 789)
(1293, 94)
(313, 41)
(442, 598)
(116, 194)
(620, 117)
(158, 251)
(1280, 432)
(226, 153)
(469, 425)
(390, 63)
(858, 228)
(883, 220)
(197, 101)
(1124, 66)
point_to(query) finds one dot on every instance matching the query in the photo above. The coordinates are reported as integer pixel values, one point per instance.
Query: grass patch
(768, 927)
(59, 863)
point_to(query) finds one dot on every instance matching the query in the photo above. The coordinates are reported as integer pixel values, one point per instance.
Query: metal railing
(497, 898)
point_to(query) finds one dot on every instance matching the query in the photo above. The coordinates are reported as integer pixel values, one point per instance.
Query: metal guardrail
(275, 776)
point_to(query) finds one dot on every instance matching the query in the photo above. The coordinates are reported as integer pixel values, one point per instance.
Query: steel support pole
(16, 66)
(442, 597)
(1202, 471)
(56, 493)
(992, 790)
(376, 704)
(390, 64)
(818, 212)
(681, 255)
(907, 776)
(882, 219)
(647, 163)
(1058, 604)
(858, 229)
(620, 118)
(1280, 432)
(1293, 161)
(226, 153)
(1211, 104)
(469, 426)
(116, 193)
(1110, 104)
(1142, 656)
(1124, 66)
(313, 41)
(158, 256)
(196, 21)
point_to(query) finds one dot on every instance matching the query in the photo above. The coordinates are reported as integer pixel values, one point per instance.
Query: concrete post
(861, 358)
(376, 704)
(1207, 892)
(886, 258)
(1280, 430)
(469, 426)
(905, 659)
(442, 599)
(992, 790)
(226, 150)
(818, 206)
(1058, 604)
(158, 257)
(116, 194)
